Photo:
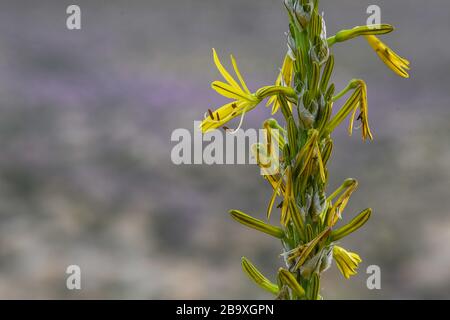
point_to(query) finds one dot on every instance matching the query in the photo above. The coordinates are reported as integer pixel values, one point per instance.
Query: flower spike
(293, 155)
(244, 100)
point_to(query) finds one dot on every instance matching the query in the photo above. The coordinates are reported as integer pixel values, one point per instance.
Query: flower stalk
(305, 95)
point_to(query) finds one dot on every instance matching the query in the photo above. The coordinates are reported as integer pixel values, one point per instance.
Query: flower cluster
(305, 95)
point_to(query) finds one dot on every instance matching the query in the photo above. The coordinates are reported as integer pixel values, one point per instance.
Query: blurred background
(85, 172)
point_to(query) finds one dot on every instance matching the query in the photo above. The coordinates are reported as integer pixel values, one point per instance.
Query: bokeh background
(85, 171)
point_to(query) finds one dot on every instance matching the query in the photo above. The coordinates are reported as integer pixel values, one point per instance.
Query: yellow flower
(363, 115)
(244, 100)
(346, 261)
(358, 100)
(284, 79)
(396, 63)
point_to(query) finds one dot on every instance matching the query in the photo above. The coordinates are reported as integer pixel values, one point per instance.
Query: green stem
(351, 85)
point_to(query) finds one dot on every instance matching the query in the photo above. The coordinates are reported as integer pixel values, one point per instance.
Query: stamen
(211, 114)
(240, 122)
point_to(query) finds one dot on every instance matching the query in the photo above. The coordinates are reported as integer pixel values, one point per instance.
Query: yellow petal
(238, 73)
(225, 114)
(228, 91)
(287, 70)
(221, 116)
(223, 71)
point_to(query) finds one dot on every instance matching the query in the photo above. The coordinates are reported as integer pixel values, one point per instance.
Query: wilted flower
(244, 100)
(284, 79)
